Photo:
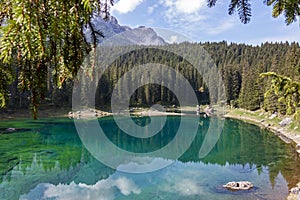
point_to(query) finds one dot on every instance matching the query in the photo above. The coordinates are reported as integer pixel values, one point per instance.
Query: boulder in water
(295, 190)
(11, 129)
(294, 193)
(239, 185)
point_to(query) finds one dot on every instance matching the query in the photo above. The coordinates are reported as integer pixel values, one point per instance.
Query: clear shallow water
(45, 159)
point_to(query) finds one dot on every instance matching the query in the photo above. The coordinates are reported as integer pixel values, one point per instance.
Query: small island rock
(239, 185)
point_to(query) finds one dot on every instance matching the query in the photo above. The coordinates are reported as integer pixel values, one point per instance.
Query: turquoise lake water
(46, 159)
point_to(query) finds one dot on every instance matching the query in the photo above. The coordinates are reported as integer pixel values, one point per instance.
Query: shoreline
(287, 135)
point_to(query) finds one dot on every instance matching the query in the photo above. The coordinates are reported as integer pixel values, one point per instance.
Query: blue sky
(193, 19)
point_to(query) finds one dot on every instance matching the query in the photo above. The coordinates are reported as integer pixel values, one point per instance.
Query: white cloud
(194, 17)
(103, 189)
(219, 28)
(181, 12)
(190, 6)
(151, 8)
(126, 6)
(183, 6)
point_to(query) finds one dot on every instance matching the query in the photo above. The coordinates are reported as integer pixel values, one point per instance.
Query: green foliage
(251, 94)
(6, 79)
(297, 115)
(286, 91)
(289, 8)
(47, 38)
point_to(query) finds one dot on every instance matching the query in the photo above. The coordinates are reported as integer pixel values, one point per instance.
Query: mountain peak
(141, 36)
(113, 20)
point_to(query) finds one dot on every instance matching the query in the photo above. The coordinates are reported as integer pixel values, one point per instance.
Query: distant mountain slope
(141, 35)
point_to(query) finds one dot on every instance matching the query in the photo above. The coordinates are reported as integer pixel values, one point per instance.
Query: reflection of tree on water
(239, 144)
(141, 145)
(54, 154)
(21, 180)
(248, 145)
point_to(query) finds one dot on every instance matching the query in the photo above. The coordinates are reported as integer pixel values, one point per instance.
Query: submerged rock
(240, 185)
(295, 190)
(13, 130)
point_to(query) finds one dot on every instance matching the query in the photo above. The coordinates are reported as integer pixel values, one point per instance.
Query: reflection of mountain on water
(53, 153)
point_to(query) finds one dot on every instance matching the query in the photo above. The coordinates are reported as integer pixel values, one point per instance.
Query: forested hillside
(240, 66)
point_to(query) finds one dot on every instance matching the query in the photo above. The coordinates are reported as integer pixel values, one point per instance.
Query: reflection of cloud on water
(144, 164)
(182, 182)
(185, 187)
(103, 189)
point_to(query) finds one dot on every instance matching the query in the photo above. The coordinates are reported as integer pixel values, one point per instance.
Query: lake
(45, 159)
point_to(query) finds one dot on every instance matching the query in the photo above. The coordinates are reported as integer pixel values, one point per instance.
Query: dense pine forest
(240, 65)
